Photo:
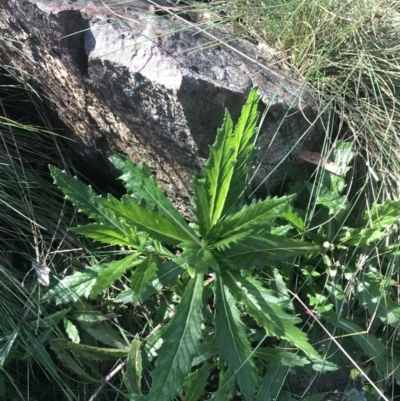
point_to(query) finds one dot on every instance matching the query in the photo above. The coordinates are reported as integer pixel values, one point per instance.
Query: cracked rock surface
(121, 77)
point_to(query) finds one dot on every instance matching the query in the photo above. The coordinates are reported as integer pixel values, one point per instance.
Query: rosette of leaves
(218, 254)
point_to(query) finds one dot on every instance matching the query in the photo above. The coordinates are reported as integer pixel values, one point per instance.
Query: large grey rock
(142, 85)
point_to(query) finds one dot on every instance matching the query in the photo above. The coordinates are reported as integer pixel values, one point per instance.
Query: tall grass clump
(36, 247)
(349, 51)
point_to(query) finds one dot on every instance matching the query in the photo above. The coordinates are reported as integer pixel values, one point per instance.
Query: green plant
(228, 240)
(34, 221)
(231, 275)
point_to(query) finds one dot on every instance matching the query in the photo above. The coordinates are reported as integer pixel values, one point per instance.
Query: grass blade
(142, 187)
(263, 308)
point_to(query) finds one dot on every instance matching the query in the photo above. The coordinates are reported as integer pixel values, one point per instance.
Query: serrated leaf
(342, 156)
(125, 297)
(278, 356)
(218, 173)
(85, 199)
(180, 344)
(100, 329)
(170, 270)
(196, 383)
(150, 220)
(336, 204)
(253, 217)
(199, 259)
(260, 305)
(84, 311)
(114, 270)
(128, 296)
(257, 250)
(107, 234)
(133, 375)
(202, 208)
(363, 237)
(230, 240)
(51, 320)
(376, 225)
(245, 134)
(142, 187)
(382, 216)
(89, 352)
(230, 334)
(73, 287)
(72, 331)
(167, 272)
(103, 333)
(294, 219)
(226, 170)
(281, 231)
(63, 356)
(143, 277)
